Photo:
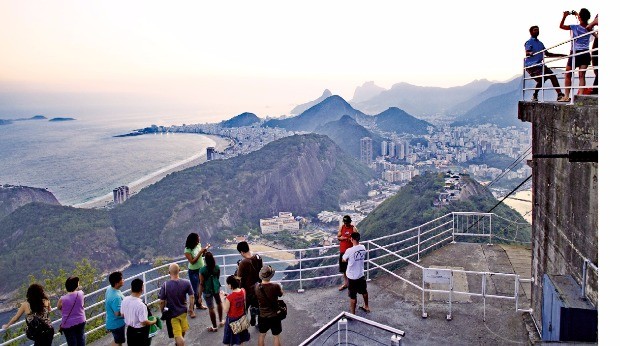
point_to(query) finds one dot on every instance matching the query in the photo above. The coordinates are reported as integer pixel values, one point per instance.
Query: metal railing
(317, 264)
(590, 71)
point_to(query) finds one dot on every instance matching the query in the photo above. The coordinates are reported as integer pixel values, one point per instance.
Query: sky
(228, 57)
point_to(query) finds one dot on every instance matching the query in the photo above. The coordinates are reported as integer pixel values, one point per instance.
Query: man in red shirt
(344, 236)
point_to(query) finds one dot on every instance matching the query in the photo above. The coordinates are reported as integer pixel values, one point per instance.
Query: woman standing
(73, 316)
(210, 289)
(193, 253)
(36, 306)
(580, 48)
(344, 236)
(234, 308)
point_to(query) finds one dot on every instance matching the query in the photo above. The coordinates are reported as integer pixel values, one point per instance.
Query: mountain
(330, 109)
(40, 236)
(500, 110)
(365, 92)
(421, 101)
(346, 132)
(396, 120)
(303, 174)
(243, 119)
(495, 89)
(413, 205)
(304, 107)
(13, 197)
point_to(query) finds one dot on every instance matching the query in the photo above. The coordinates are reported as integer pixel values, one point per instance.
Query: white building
(283, 222)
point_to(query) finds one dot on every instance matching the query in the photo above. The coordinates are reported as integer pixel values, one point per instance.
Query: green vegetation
(500, 161)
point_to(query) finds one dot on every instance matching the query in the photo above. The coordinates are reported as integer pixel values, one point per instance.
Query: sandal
(212, 329)
(364, 309)
(222, 323)
(564, 99)
(342, 288)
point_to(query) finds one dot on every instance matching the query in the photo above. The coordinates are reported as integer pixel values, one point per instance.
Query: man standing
(532, 46)
(249, 267)
(354, 256)
(267, 294)
(114, 321)
(172, 296)
(344, 236)
(136, 316)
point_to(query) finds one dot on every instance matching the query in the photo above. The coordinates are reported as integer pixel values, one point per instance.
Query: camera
(573, 12)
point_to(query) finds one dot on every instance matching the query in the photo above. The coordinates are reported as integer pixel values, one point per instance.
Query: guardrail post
(449, 317)
(584, 277)
(301, 289)
(424, 314)
(490, 229)
(453, 240)
(367, 262)
(517, 292)
(146, 292)
(224, 266)
(484, 296)
(418, 243)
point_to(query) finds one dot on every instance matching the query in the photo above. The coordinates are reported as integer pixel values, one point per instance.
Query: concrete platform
(396, 304)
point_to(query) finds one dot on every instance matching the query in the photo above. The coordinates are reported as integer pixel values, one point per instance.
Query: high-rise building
(401, 151)
(120, 194)
(384, 148)
(366, 150)
(391, 151)
(210, 153)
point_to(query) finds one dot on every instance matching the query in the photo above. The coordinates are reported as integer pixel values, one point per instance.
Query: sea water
(81, 159)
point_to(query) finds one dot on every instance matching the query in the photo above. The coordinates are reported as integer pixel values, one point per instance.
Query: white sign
(437, 276)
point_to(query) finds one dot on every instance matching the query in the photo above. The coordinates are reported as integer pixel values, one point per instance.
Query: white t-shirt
(355, 257)
(134, 311)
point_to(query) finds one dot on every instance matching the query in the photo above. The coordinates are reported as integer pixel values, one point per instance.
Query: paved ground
(396, 304)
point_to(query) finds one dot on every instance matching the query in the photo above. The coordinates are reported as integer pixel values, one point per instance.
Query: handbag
(280, 305)
(165, 313)
(240, 325)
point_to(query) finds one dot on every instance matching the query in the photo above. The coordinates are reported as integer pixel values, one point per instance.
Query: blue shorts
(118, 334)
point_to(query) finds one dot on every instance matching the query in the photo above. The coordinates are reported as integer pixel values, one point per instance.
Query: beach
(221, 144)
(260, 248)
(522, 203)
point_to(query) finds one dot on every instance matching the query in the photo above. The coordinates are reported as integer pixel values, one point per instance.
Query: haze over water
(80, 160)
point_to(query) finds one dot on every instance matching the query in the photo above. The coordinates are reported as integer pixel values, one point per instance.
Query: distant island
(62, 119)
(10, 121)
(144, 131)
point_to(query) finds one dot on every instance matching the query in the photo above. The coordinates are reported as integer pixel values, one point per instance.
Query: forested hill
(413, 206)
(13, 197)
(303, 174)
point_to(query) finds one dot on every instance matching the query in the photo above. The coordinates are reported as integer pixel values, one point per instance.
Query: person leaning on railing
(534, 50)
(580, 48)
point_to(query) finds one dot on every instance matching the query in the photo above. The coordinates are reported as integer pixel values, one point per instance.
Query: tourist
(354, 257)
(234, 308)
(172, 296)
(114, 321)
(193, 253)
(267, 294)
(249, 267)
(136, 316)
(532, 46)
(36, 306)
(594, 90)
(209, 289)
(580, 48)
(344, 236)
(73, 316)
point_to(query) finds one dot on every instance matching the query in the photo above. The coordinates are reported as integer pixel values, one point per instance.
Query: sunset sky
(265, 56)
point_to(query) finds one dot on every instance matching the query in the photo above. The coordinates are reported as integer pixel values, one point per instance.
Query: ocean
(80, 160)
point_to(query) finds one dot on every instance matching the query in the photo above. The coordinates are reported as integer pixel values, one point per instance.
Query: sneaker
(535, 98)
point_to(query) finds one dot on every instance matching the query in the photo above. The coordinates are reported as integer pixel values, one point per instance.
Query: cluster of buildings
(120, 194)
(284, 221)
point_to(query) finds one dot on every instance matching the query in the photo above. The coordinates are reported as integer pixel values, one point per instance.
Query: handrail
(544, 64)
(419, 236)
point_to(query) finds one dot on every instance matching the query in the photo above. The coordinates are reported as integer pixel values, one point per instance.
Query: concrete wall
(565, 194)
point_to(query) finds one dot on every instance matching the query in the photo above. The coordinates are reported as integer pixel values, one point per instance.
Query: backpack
(212, 282)
(38, 327)
(257, 263)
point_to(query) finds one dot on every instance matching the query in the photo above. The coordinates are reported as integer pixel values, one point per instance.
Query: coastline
(522, 203)
(221, 144)
(260, 248)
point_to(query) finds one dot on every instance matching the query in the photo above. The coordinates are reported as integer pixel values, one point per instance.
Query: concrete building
(384, 148)
(120, 194)
(565, 217)
(210, 153)
(285, 221)
(366, 150)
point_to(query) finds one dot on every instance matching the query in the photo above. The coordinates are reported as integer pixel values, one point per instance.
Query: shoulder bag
(165, 314)
(60, 330)
(242, 323)
(279, 306)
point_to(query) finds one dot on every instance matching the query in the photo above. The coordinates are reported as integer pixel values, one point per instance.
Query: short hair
(233, 281)
(174, 269)
(584, 14)
(533, 27)
(72, 283)
(115, 278)
(136, 285)
(346, 219)
(243, 247)
(355, 236)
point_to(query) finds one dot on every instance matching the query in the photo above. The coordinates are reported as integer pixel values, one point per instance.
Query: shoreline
(260, 248)
(522, 204)
(221, 144)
